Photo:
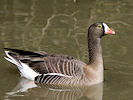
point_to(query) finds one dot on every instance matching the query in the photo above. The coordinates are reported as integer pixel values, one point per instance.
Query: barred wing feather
(50, 69)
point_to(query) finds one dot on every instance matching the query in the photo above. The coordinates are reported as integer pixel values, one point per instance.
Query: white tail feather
(25, 70)
(11, 59)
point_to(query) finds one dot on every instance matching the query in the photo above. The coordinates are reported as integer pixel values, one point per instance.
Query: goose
(63, 70)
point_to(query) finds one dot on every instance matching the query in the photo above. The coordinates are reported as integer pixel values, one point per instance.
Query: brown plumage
(61, 69)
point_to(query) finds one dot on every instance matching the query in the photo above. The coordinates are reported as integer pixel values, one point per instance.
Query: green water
(60, 26)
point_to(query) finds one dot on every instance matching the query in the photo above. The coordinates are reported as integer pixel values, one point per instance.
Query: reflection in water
(22, 86)
(56, 93)
(60, 26)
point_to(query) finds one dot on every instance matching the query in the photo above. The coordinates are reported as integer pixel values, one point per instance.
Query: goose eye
(99, 26)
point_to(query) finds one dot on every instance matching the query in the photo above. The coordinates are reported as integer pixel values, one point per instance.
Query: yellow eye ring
(99, 26)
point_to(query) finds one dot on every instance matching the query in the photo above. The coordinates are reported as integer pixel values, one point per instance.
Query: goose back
(52, 69)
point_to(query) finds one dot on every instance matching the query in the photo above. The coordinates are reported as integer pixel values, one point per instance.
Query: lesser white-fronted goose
(61, 69)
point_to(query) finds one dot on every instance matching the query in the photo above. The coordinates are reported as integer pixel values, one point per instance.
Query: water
(60, 26)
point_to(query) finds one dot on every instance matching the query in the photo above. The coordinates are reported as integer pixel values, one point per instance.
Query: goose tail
(25, 70)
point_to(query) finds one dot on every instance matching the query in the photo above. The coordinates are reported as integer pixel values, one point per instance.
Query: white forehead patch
(105, 27)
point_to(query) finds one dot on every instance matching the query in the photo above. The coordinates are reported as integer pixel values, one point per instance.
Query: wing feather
(49, 64)
(54, 68)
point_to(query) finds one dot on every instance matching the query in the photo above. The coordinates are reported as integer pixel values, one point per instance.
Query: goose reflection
(28, 88)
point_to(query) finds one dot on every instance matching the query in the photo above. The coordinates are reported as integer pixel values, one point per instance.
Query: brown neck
(95, 51)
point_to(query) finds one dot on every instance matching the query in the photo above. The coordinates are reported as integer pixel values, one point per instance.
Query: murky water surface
(60, 26)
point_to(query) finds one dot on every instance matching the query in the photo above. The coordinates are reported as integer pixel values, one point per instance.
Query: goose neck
(95, 51)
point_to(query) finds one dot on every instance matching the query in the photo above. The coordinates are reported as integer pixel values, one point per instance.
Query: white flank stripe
(58, 74)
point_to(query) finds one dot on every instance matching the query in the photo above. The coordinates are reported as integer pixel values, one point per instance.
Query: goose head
(99, 29)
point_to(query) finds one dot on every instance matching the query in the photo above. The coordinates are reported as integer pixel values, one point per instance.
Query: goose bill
(109, 31)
